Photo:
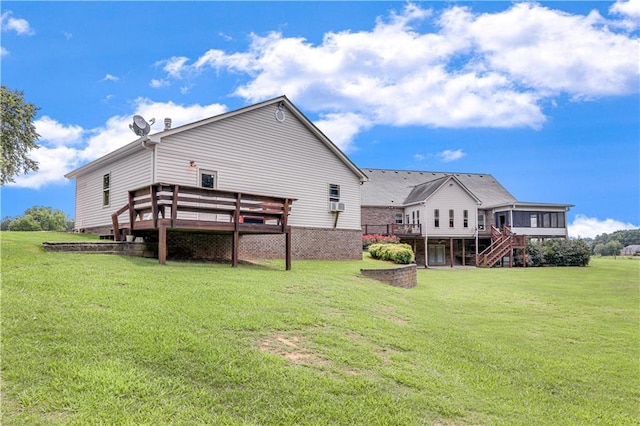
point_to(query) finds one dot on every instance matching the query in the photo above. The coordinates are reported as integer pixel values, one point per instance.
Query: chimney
(167, 123)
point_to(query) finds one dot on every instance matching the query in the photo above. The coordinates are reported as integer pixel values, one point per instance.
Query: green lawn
(103, 339)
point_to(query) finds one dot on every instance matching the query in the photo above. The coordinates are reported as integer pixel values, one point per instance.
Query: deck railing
(393, 229)
(163, 206)
(182, 206)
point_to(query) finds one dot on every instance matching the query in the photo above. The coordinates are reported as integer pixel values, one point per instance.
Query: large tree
(18, 135)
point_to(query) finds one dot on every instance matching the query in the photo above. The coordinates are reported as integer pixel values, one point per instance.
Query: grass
(103, 339)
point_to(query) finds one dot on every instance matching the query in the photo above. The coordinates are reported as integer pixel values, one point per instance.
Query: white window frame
(106, 190)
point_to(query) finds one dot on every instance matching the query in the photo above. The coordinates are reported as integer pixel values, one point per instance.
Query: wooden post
(116, 227)
(132, 211)
(154, 205)
(287, 247)
(236, 233)
(451, 251)
(174, 205)
(162, 244)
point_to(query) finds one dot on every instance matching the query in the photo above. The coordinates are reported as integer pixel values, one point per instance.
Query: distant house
(632, 250)
(455, 218)
(248, 181)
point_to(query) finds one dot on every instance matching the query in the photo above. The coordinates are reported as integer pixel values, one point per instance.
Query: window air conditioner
(335, 206)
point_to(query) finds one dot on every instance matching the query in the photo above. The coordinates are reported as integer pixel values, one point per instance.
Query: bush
(369, 239)
(397, 253)
(558, 252)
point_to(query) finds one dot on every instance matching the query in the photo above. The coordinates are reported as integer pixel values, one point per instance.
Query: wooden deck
(164, 206)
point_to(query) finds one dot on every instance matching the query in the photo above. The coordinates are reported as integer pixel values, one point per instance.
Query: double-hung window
(106, 189)
(436, 218)
(451, 215)
(334, 193)
(465, 218)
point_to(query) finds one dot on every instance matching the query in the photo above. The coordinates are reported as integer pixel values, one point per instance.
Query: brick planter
(405, 276)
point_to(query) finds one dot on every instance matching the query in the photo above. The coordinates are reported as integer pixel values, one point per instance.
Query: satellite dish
(140, 126)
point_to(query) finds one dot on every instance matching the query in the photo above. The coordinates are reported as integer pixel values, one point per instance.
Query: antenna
(140, 126)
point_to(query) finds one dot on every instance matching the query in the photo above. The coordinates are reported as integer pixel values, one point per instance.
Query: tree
(18, 135)
(41, 219)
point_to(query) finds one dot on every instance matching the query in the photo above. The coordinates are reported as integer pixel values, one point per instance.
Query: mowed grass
(104, 339)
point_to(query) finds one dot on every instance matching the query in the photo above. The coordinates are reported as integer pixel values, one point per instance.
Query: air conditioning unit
(335, 206)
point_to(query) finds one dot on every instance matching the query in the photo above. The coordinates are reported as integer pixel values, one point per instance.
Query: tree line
(611, 244)
(38, 218)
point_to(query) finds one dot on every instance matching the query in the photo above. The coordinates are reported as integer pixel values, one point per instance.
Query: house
(455, 218)
(200, 188)
(631, 250)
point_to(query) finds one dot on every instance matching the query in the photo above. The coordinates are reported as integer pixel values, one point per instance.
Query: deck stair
(503, 242)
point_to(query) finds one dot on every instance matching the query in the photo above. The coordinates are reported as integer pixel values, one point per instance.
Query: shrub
(558, 252)
(397, 253)
(369, 239)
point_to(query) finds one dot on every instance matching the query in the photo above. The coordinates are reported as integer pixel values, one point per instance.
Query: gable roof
(393, 187)
(423, 191)
(156, 138)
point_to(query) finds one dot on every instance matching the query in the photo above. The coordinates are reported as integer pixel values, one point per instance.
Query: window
(436, 218)
(413, 217)
(481, 222)
(532, 219)
(418, 217)
(451, 219)
(398, 218)
(106, 189)
(207, 179)
(465, 218)
(334, 193)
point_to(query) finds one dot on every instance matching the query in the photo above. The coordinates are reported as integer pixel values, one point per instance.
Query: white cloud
(110, 77)
(155, 83)
(53, 133)
(474, 70)
(590, 227)
(629, 8)
(3, 51)
(550, 51)
(448, 155)
(342, 128)
(66, 147)
(19, 25)
(418, 157)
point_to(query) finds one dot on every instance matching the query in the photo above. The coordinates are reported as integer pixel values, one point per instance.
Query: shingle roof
(424, 190)
(393, 187)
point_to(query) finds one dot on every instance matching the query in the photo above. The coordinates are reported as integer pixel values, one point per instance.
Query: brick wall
(376, 218)
(405, 276)
(306, 243)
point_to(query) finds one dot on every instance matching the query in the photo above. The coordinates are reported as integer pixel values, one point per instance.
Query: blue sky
(544, 96)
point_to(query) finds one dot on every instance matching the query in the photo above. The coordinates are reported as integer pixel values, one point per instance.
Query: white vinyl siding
(451, 197)
(253, 152)
(125, 174)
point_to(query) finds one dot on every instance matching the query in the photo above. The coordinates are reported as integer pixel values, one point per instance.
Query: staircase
(502, 244)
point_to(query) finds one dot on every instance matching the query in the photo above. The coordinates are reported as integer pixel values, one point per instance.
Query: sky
(544, 96)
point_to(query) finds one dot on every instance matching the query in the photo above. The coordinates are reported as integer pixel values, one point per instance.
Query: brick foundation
(405, 276)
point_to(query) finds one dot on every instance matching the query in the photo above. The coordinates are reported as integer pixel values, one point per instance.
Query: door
(436, 254)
